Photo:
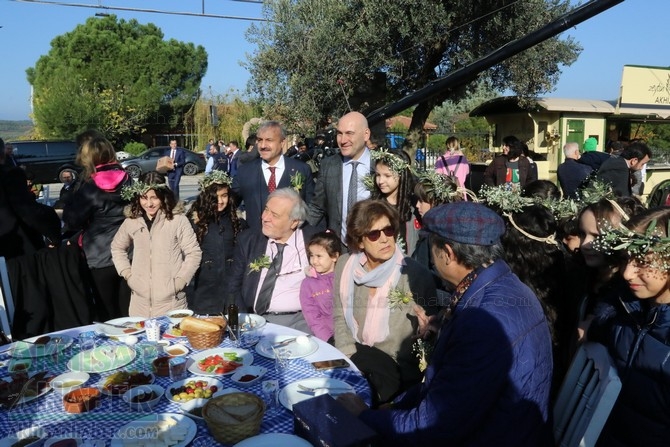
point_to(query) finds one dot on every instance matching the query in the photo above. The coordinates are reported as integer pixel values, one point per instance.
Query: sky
(631, 33)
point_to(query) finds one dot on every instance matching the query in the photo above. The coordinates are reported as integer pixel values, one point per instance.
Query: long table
(112, 413)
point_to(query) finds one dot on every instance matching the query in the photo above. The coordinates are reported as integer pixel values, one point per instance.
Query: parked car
(147, 160)
(46, 159)
(122, 155)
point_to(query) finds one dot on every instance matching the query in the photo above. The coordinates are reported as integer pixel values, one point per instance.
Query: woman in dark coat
(637, 333)
(216, 225)
(96, 210)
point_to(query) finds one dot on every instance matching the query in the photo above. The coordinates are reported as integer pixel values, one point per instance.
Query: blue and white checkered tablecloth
(47, 411)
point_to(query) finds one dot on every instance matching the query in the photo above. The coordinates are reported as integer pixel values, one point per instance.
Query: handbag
(452, 173)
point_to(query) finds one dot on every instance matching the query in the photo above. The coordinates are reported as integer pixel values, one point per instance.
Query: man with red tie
(259, 178)
(178, 155)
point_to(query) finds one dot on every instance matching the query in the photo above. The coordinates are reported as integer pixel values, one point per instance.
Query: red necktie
(272, 183)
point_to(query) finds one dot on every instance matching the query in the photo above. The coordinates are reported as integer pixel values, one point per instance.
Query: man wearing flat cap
(489, 375)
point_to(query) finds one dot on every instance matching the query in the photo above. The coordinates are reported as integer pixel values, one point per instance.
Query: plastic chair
(6, 300)
(586, 398)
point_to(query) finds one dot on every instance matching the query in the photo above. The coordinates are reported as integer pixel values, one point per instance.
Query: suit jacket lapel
(340, 187)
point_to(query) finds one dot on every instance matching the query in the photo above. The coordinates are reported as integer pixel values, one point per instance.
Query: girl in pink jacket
(316, 291)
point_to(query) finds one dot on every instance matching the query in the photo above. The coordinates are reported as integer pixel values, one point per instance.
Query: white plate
(247, 359)
(32, 431)
(26, 399)
(128, 430)
(210, 381)
(296, 350)
(251, 321)
(101, 384)
(291, 394)
(25, 350)
(274, 440)
(115, 332)
(96, 360)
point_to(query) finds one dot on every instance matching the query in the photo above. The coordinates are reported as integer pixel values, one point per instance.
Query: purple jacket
(489, 376)
(316, 300)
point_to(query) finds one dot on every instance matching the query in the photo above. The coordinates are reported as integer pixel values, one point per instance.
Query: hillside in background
(15, 130)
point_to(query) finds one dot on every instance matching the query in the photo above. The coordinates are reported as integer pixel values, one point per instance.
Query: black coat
(210, 284)
(99, 214)
(23, 222)
(637, 336)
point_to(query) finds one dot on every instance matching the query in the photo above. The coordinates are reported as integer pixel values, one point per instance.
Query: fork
(313, 390)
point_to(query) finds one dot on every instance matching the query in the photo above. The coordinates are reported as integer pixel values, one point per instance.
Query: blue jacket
(637, 337)
(489, 377)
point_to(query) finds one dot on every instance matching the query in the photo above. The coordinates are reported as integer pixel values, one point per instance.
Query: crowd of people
(462, 310)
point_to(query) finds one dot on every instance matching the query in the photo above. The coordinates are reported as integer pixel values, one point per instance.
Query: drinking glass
(281, 359)
(87, 341)
(270, 390)
(250, 338)
(148, 352)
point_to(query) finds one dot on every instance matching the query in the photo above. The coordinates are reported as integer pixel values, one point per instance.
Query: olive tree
(318, 58)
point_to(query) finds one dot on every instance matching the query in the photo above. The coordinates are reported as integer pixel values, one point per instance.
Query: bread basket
(233, 417)
(207, 339)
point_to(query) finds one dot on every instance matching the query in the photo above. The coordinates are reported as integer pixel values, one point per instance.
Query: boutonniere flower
(260, 263)
(398, 298)
(369, 182)
(297, 181)
(423, 351)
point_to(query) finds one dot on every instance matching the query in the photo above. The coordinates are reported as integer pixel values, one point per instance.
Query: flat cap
(465, 222)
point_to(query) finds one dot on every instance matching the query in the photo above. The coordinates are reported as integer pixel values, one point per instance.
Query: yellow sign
(645, 86)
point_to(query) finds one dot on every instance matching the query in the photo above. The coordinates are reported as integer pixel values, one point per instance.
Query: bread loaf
(191, 324)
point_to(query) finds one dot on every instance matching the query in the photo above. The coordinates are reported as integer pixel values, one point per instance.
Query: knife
(288, 341)
(118, 326)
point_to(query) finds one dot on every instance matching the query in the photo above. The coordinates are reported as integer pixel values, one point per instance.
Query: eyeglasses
(375, 234)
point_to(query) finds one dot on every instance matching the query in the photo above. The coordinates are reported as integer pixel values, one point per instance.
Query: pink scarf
(384, 277)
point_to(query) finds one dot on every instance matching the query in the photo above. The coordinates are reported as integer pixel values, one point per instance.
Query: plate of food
(23, 389)
(41, 346)
(121, 326)
(101, 359)
(219, 361)
(121, 381)
(305, 389)
(297, 347)
(173, 331)
(198, 387)
(165, 429)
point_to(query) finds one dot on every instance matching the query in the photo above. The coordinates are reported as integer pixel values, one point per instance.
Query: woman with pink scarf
(376, 291)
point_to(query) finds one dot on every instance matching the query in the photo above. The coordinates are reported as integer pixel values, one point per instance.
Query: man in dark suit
(281, 242)
(178, 155)
(256, 179)
(234, 156)
(332, 196)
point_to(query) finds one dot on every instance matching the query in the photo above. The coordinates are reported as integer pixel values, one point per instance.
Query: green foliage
(114, 76)
(135, 148)
(314, 55)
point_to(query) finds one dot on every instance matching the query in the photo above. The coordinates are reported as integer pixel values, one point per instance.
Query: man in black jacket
(617, 170)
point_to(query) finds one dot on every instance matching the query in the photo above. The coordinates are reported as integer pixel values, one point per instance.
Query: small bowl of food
(19, 369)
(177, 315)
(248, 375)
(143, 398)
(70, 381)
(81, 400)
(193, 408)
(176, 350)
